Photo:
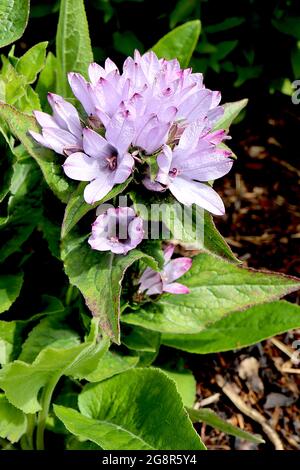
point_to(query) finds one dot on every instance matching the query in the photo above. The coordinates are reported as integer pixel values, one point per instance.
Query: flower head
(152, 108)
(153, 282)
(117, 230)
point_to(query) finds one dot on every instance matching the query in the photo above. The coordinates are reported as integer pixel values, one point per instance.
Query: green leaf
(185, 384)
(182, 10)
(213, 240)
(140, 339)
(295, 60)
(23, 209)
(217, 288)
(22, 381)
(47, 80)
(49, 163)
(32, 62)
(288, 25)
(99, 275)
(240, 329)
(191, 227)
(229, 23)
(126, 42)
(209, 417)
(77, 207)
(12, 421)
(180, 43)
(111, 364)
(13, 17)
(231, 111)
(50, 331)
(11, 331)
(125, 412)
(73, 44)
(10, 287)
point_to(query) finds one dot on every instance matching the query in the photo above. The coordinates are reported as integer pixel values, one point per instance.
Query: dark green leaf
(239, 329)
(180, 43)
(14, 17)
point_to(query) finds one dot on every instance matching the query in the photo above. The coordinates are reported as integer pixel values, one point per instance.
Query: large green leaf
(50, 331)
(185, 384)
(111, 364)
(11, 331)
(289, 25)
(209, 417)
(10, 286)
(49, 163)
(32, 62)
(216, 289)
(179, 43)
(136, 410)
(192, 227)
(73, 44)
(12, 421)
(99, 275)
(22, 381)
(23, 209)
(13, 18)
(77, 207)
(240, 329)
(231, 111)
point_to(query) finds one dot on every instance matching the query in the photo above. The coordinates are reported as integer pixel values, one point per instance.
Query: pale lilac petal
(97, 189)
(208, 167)
(168, 252)
(96, 72)
(58, 139)
(124, 168)
(176, 268)
(176, 288)
(135, 232)
(79, 166)
(45, 120)
(40, 139)
(191, 135)
(65, 114)
(153, 185)
(82, 91)
(95, 145)
(196, 106)
(156, 289)
(190, 192)
(120, 131)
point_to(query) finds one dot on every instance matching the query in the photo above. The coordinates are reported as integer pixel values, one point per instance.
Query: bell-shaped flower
(105, 162)
(153, 282)
(61, 132)
(196, 160)
(117, 230)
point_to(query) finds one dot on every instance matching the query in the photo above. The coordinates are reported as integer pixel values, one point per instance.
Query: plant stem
(69, 294)
(27, 439)
(43, 414)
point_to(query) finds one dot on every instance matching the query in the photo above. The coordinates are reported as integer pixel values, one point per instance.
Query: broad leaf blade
(12, 421)
(14, 16)
(217, 288)
(154, 404)
(73, 44)
(10, 287)
(180, 43)
(98, 275)
(240, 329)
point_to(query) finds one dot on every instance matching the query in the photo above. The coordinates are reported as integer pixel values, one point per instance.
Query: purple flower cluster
(152, 109)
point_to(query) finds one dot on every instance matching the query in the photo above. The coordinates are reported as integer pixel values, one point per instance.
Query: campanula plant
(116, 170)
